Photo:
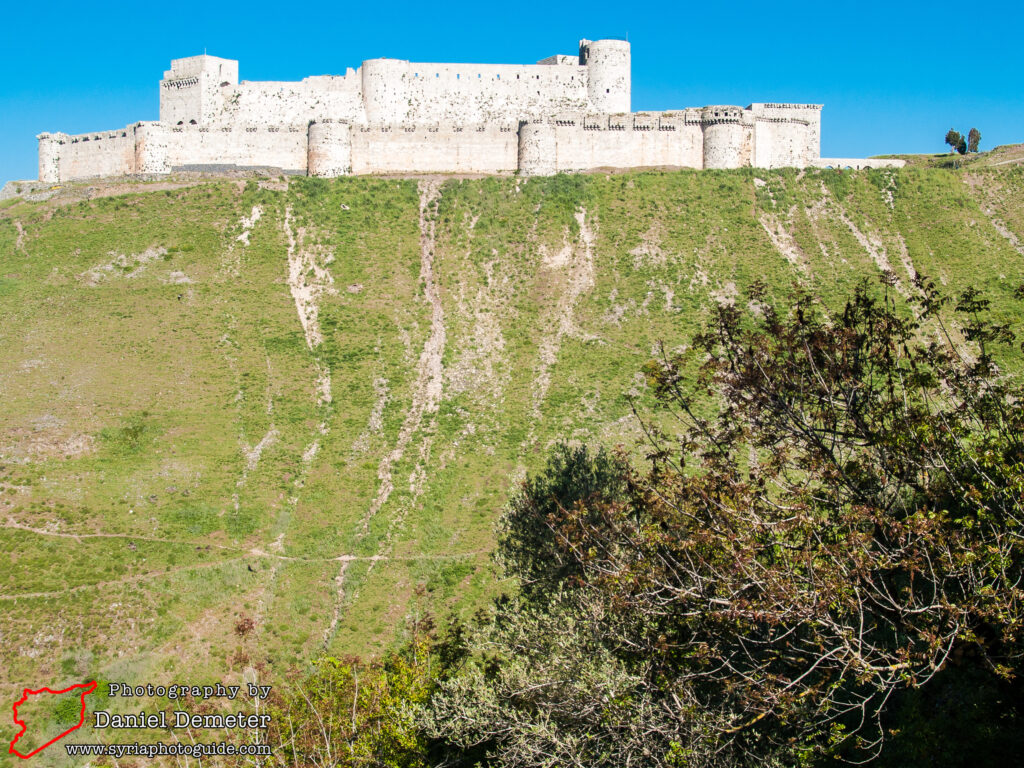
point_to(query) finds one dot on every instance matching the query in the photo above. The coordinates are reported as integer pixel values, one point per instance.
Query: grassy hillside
(243, 423)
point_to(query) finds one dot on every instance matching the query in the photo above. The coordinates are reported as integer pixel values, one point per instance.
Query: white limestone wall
(608, 80)
(396, 91)
(782, 144)
(385, 90)
(152, 143)
(330, 149)
(727, 145)
(204, 90)
(87, 155)
(641, 140)
(441, 148)
(49, 157)
(786, 134)
(288, 103)
(190, 92)
(538, 149)
(195, 147)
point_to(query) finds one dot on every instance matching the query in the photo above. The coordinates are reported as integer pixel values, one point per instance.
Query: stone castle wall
(565, 113)
(102, 153)
(435, 148)
(714, 137)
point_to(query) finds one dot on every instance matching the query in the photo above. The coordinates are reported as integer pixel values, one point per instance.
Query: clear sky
(893, 76)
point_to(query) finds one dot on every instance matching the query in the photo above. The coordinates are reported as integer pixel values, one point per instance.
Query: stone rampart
(241, 146)
(434, 148)
(396, 91)
(87, 155)
(584, 142)
(565, 113)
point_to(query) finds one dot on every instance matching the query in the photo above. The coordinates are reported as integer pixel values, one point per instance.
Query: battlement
(564, 113)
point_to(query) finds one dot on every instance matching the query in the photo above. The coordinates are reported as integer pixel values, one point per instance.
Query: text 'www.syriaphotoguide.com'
(161, 750)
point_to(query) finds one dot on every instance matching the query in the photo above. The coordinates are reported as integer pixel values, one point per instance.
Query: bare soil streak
(426, 398)
(782, 238)
(577, 264)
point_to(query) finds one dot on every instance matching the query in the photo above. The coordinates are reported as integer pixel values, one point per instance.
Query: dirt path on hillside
(126, 580)
(339, 601)
(11, 523)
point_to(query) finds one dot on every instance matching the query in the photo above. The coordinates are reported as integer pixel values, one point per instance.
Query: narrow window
(607, 90)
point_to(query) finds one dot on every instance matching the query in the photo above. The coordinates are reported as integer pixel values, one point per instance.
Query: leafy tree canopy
(783, 580)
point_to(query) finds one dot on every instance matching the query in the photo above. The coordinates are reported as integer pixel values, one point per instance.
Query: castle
(564, 113)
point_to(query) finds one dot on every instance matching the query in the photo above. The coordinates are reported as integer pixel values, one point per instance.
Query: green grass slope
(299, 407)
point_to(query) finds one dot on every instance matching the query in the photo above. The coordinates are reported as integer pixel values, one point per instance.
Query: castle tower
(608, 74)
(538, 149)
(190, 93)
(329, 151)
(726, 138)
(49, 157)
(151, 148)
(385, 90)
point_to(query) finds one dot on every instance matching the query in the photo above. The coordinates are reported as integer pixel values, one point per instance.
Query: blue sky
(893, 76)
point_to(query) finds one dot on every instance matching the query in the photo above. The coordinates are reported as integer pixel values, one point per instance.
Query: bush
(784, 582)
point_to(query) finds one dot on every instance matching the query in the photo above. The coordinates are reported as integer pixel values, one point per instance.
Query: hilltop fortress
(564, 113)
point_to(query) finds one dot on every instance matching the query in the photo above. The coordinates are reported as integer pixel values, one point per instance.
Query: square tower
(190, 93)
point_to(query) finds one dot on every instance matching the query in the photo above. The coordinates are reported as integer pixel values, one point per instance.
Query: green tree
(842, 533)
(348, 713)
(973, 140)
(954, 140)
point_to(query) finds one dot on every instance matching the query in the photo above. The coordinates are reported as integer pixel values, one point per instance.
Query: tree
(973, 140)
(348, 713)
(843, 530)
(954, 140)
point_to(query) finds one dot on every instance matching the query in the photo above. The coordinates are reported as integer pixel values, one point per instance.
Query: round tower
(152, 150)
(538, 153)
(49, 157)
(608, 74)
(385, 90)
(723, 137)
(329, 149)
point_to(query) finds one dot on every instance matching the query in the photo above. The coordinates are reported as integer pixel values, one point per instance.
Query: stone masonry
(562, 114)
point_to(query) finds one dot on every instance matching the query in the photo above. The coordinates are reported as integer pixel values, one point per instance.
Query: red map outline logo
(89, 688)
